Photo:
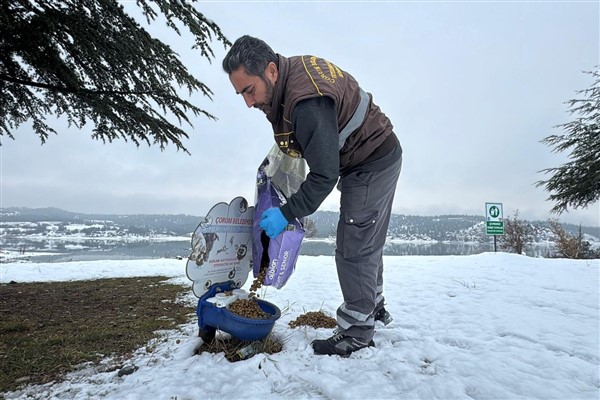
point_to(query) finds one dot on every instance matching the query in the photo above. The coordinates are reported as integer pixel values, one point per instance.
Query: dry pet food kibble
(248, 308)
(315, 319)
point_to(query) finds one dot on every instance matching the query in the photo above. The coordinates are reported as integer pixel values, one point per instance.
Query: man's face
(257, 91)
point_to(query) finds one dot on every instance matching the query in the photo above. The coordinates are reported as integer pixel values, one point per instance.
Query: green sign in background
(494, 224)
(494, 228)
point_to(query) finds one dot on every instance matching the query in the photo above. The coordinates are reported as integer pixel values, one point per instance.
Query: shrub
(517, 234)
(571, 246)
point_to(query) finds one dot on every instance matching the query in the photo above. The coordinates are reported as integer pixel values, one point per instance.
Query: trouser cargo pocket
(357, 232)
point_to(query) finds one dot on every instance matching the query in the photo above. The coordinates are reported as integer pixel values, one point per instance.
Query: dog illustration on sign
(202, 244)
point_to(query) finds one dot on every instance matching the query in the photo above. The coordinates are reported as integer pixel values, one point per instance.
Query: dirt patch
(48, 329)
(237, 350)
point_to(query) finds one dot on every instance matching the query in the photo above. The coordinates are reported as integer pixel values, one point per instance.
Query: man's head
(252, 68)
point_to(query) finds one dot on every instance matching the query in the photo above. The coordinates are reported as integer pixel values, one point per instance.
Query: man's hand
(273, 222)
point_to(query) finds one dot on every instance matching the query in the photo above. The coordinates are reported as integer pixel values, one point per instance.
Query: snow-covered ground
(487, 326)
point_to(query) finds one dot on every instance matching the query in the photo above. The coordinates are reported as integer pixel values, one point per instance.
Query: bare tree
(571, 246)
(310, 228)
(517, 234)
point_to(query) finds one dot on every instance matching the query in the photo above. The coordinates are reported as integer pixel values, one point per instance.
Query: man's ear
(272, 72)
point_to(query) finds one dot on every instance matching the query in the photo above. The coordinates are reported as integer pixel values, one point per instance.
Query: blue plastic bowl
(211, 317)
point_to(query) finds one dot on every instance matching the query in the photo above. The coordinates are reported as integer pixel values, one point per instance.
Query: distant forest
(460, 228)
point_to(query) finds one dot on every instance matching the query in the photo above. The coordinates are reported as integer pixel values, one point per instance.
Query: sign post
(494, 220)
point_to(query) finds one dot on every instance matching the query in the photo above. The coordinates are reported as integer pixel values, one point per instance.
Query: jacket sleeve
(314, 122)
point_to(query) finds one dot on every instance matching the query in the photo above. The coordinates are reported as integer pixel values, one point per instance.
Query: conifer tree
(88, 61)
(576, 183)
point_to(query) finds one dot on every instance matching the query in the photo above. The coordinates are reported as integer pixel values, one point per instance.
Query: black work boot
(382, 315)
(339, 344)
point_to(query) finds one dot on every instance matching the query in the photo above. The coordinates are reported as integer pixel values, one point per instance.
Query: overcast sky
(471, 88)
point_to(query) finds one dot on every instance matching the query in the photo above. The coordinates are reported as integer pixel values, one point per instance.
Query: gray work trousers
(365, 208)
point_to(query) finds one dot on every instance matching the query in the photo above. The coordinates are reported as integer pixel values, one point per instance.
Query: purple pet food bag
(282, 252)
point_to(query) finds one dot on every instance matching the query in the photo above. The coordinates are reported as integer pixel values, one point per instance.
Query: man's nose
(249, 100)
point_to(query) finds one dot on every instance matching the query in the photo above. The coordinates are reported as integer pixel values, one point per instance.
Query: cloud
(471, 90)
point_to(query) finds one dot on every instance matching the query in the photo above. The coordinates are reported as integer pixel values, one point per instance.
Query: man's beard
(266, 106)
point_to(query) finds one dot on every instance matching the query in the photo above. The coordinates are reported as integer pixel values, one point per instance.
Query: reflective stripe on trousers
(365, 208)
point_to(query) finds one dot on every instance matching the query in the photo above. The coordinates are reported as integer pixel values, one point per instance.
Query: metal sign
(221, 246)
(494, 219)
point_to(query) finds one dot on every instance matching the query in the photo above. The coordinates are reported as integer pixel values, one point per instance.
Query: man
(320, 113)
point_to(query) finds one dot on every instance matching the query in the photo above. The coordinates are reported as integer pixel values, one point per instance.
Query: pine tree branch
(64, 89)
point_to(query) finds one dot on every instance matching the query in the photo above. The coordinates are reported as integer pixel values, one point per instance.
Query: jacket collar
(279, 89)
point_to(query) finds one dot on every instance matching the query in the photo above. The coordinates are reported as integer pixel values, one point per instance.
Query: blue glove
(273, 222)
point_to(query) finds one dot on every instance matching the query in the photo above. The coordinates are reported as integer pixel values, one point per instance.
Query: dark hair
(250, 52)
